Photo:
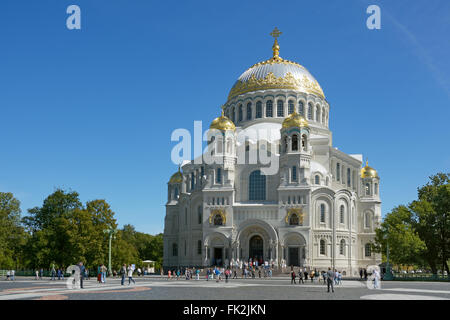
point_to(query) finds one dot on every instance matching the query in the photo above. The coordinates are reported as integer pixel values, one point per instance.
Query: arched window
(367, 250)
(323, 116)
(317, 113)
(249, 111)
(219, 175)
(322, 213)
(293, 220)
(367, 189)
(348, 177)
(257, 186)
(310, 111)
(294, 142)
(367, 219)
(342, 247)
(192, 181)
(304, 143)
(174, 249)
(301, 108)
(233, 118)
(240, 112)
(317, 179)
(280, 108)
(376, 188)
(259, 109)
(290, 106)
(176, 193)
(269, 108)
(341, 214)
(285, 144)
(199, 247)
(294, 173)
(200, 214)
(218, 220)
(338, 171)
(322, 247)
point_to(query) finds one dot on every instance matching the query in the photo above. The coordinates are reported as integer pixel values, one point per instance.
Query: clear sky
(92, 110)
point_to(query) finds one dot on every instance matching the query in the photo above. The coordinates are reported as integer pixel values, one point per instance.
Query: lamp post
(388, 275)
(111, 232)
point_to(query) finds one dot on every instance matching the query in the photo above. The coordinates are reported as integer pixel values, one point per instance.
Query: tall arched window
(259, 109)
(294, 142)
(348, 177)
(301, 108)
(200, 214)
(323, 116)
(322, 247)
(219, 175)
(341, 214)
(280, 108)
(240, 112)
(199, 247)
(233, 118)
(304, 143)
(338, 171)
(342, 247)
(367, 219)
(367, 189)
(192, 181)
(269, 108)
(367, 250)
(174, 249)
(285, 144)
(376, 188)
(317, 113)
(249, 111)
(176, 193)
(317, 179)
(294, 173)
(290, 106)
(310, 111)
(322, 213)
(257, 186)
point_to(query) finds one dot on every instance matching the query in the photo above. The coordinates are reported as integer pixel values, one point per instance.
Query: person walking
(365, 274)
(130, 275)
(293, 276)
(360, 274)
(8, 274)
(234, 274)
(123, 272)
(41, 273)
(103, 272)
(376, 278)
(59, 274)
(300, 276)
(37, 275)
(330, 279)
(13, 274)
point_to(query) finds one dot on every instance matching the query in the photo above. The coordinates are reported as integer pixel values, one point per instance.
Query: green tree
(431, 219)
(405, 245)
(12, 234)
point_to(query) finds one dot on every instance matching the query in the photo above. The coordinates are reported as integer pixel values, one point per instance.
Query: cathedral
(318, 209)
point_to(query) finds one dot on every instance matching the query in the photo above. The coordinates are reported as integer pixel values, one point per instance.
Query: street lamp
(111, 232)
(388, 275)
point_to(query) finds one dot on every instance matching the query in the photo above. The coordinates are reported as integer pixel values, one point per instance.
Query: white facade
(318, 210)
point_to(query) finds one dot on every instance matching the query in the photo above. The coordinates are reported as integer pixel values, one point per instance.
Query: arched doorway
(256, 248)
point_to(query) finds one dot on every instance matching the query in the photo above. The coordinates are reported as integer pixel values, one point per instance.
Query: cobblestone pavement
(156, 288)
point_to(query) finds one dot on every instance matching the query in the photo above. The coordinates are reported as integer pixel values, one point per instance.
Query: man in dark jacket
(330, 279)
(82, 270)
(123, 272)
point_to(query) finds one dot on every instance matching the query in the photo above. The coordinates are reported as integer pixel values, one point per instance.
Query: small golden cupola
(222, 123)
(368, 172)
(294, 120)
(177, 177)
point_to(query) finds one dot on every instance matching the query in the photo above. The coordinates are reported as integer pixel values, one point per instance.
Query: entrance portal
(293, 257)
(218, 256)
(256, 248)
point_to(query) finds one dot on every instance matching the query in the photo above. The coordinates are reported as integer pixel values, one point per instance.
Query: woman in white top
(130, 275)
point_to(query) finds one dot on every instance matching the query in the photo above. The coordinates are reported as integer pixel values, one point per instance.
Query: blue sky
(92, 110)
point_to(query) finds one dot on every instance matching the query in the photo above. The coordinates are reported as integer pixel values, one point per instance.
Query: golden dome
(177, 177)
(276, 73)
(368, 172)
(222, 123)
(294, 120)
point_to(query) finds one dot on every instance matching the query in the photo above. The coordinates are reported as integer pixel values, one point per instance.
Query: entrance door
(218, 256)
(293, 257)
(256, 248)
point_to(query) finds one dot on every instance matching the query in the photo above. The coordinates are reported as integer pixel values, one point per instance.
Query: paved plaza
(279, 288)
